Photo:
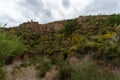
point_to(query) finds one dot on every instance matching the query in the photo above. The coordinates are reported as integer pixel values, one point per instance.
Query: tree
(69, 28)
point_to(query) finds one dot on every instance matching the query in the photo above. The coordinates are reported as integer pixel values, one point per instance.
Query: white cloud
(15, 12)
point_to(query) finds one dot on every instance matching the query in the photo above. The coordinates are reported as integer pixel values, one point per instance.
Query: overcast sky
(14, 12)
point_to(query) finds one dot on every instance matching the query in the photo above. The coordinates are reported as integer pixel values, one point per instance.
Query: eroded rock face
(35, 27)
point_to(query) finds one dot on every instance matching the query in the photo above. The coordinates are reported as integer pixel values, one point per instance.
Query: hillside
(84, 48)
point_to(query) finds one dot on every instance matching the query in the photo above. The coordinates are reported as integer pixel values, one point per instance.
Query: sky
(15, 12)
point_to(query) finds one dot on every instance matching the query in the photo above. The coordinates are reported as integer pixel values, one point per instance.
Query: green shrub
(43, 47)
(86, 70)
(58, 61)
(2, 73)
(108, 50)
(32, 61)
(44, 66)
(10, 47)
(112, 20)
(65, 72)
(45, 38)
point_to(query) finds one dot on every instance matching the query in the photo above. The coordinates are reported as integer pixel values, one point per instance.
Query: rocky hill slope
(62, 50)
